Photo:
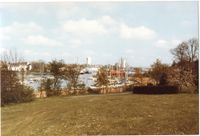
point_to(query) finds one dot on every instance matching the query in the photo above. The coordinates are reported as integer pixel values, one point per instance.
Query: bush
(47, 85)
(83, 91)
(93, 91)
(81, 86)
(11, 89)
(164, 89)
(128, 88)
(188, 89)
(17, 95)
(27, 94)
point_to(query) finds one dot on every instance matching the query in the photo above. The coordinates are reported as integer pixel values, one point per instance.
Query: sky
(139, 32)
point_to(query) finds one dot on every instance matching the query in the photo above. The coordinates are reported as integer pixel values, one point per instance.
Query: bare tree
(180, 52)
(186, 64)
(193, 50)
(11, 56)
(186, 51)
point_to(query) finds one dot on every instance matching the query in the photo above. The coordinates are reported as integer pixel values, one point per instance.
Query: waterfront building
(20, 66)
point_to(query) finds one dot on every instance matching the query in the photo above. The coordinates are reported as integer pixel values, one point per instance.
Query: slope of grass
(103, 114)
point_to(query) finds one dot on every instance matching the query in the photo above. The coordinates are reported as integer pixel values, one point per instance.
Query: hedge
(164, 89)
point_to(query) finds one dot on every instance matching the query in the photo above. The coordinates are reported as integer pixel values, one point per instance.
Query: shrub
(128, 88)
(47, 85)
(27, 94)
(81, 86)
(164, 89)
(11, 89)
(93, 91)
(83, 91)
(149, 84)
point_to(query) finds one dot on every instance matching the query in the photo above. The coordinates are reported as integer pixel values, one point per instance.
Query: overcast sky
(140, 32)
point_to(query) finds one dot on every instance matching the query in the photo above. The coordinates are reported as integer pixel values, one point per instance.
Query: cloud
(103, 6)
(41, 40)
(66, 10)
(107, 55)
(30, 54)
(84, 26)
(167, 44)
(175, 42)
(3, 50)
(89, 52)
(107, 25)
(187, 23)
(129, 51)
(18, 28)
(136, 33)
(162, 43)
(107, 20)
(4, 37)
(75, 43)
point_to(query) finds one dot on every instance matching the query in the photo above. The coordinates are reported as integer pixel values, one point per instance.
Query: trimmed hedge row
(164, 89)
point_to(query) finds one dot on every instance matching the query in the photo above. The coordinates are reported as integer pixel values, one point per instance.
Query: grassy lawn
(103, 114)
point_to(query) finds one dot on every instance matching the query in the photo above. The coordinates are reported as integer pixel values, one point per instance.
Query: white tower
(123, 63)
(88, 61)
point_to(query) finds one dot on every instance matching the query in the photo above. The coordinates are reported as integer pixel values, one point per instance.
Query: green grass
(103, 114)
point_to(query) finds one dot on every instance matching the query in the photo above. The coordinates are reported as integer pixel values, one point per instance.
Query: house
(19, 66)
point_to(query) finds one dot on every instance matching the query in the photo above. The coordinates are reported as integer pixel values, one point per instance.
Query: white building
(122, 63)
(19, 66)
(88, 61)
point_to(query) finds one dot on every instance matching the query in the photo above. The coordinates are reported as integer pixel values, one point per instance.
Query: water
(34, 81)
